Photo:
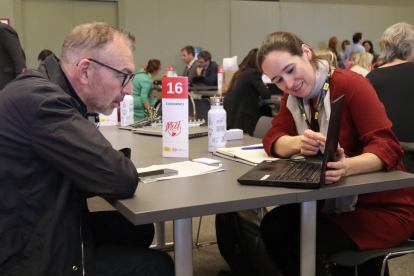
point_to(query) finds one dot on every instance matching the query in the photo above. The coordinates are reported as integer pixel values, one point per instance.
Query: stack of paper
(185, 169)
(250, 155)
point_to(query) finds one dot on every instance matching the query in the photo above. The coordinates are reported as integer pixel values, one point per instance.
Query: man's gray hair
(91, 37)
(397, 42)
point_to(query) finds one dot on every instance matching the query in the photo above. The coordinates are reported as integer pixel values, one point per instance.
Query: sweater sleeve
(282, 124)
(371, 121)
(146, 89)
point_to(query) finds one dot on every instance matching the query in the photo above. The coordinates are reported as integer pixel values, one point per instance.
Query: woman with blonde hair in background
(362, 63)
(349, 62)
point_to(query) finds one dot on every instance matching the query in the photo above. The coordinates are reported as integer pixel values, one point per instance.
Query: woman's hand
(339, 167)
(310, 142)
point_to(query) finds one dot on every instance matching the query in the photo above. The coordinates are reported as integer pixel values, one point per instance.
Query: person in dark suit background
(43, 55)
(190, 70)
(207, 68)
(12, 57)
(242, 99)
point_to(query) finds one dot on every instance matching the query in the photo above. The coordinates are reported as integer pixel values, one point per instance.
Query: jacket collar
(51, 68)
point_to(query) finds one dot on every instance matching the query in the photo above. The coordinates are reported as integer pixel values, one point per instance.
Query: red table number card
(175, 117)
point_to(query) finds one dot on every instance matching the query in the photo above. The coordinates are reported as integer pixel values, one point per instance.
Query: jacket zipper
(83, 257)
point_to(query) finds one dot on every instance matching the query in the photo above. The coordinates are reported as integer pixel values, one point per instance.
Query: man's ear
(307, 52)
(84, 71)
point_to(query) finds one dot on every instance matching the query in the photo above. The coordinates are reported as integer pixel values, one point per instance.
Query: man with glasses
(52, 159)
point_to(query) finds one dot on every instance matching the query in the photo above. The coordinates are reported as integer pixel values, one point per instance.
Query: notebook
(193, 132)
(306, 173)
(250, 155)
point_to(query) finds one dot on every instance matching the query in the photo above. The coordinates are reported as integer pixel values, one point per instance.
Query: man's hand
(199, 71)
(310, 142)
(339, 167)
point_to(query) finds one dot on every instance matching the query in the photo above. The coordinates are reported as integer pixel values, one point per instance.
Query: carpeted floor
(207, 260)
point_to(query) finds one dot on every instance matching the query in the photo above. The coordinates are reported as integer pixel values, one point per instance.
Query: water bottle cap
(216, 101)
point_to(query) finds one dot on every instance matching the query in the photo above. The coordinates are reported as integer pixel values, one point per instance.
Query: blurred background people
(207, 68)
(43, 55)
(378, 61)
(190, 71)
(394, 82)
(344, 44)
(362, 64)
(12, 57)
(369, 48)
(242, 98)
(333, 42)
(357, 39)
(351, 60)
(143, 85)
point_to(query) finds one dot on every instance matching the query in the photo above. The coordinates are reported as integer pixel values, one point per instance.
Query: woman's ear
(307, 52)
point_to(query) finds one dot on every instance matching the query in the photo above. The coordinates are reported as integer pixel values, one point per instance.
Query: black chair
(354, 258)
(202, 106)
(262, 127)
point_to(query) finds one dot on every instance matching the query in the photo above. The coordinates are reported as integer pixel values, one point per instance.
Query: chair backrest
(262, 126)
(202, 107)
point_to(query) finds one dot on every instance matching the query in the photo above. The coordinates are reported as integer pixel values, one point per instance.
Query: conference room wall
(223, 27)
(47, 22)
(164, 27)
(312, 22)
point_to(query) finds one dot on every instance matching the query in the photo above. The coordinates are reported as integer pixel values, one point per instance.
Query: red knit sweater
(381, 219)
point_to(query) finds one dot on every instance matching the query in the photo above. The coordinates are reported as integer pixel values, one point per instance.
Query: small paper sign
(170, 71)
(5, 21)
(219, 78)
(175, 117)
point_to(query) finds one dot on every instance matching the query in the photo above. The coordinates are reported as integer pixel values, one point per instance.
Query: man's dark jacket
(12, 58)
(211, 74)
(51, 158)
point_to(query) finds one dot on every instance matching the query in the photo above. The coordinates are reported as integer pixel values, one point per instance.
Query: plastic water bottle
(127, 111)
(217, 124)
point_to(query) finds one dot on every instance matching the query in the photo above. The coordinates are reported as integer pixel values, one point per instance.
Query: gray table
(184, 198)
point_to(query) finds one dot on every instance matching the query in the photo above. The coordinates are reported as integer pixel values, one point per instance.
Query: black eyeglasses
(127, 77)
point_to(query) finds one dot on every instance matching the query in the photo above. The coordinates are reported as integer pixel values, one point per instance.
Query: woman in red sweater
(367, 144)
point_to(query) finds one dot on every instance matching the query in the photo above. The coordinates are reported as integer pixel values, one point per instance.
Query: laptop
(308, 173)
(274, 90)
(193, 132)
(198, 81)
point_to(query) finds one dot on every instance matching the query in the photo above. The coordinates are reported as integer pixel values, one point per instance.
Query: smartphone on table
(156, 174)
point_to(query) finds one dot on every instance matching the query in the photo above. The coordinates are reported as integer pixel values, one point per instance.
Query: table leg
(308, 238)
(160, 238)
(183, 239)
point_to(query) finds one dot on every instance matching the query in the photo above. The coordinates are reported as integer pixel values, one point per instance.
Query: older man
(52, 159)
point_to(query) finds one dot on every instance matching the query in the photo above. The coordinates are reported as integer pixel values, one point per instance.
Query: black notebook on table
(306, 173)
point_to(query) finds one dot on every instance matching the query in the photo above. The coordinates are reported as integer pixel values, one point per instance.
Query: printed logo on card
(168, 149)
(173, 128)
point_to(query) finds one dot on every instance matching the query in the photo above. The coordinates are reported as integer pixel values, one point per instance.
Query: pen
(97, 126)
(251, 148)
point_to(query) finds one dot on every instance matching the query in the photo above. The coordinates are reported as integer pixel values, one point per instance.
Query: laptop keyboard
(299, 171)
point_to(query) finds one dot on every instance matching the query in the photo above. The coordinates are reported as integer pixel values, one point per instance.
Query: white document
(254, 156)
(185, 169)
